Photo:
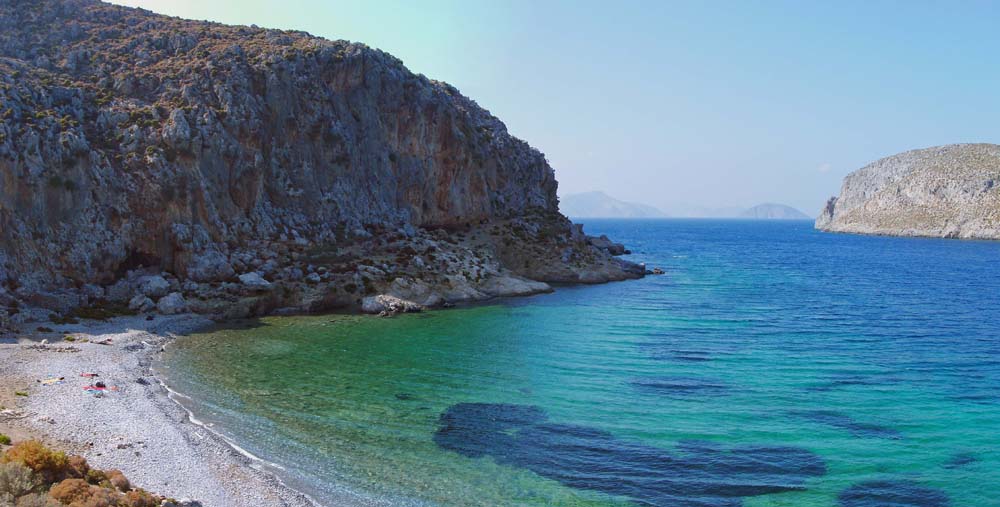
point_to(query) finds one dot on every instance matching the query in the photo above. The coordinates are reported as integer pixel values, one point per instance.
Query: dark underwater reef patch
(694, 474)
(685, 355)
(845, 422)
(986, 392)
(691, 345)
(681, 387)
(961, 459)
(891, 494)
(846, 381)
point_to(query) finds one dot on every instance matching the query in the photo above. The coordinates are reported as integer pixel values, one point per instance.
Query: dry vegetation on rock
(32, 475)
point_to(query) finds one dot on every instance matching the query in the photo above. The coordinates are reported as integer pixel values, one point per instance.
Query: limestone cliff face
(946, 191)
(131, 139)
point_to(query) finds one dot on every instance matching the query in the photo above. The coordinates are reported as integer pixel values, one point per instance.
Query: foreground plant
(32, 475)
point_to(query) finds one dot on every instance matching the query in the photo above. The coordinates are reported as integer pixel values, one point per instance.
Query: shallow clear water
(771, 366)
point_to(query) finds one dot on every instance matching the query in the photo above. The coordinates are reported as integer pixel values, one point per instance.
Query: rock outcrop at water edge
(950, 191)
(134, 145)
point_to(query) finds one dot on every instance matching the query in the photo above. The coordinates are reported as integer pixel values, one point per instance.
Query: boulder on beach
(254, 281)
(154, 286)
(384, 304)
(210, 266)
(172, 303)
(141, 303)
(507, 285)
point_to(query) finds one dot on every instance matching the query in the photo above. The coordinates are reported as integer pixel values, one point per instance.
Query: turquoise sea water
(772, 365)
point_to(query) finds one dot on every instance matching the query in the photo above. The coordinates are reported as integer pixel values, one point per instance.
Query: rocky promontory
(150, 163)
(947, 191)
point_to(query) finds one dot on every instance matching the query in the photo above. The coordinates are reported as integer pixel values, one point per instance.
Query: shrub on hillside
(29, 468)
(118, 480)
(48, 464)
(97, 477)
(37, 500)
(16, 480)
(140, 498)
(77, 493)
(77, 467)
(70, 491)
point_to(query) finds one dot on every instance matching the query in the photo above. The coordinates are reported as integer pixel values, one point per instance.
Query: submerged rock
(961, 459)
(845, 422)
(682, 387)
(692, 474)
(891, 493)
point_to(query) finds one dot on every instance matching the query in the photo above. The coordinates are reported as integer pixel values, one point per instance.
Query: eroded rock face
(129, 137)
(384, 304)
(254, 281)
(947, 191)
(154, 286)
(135, 144)
(172, 303)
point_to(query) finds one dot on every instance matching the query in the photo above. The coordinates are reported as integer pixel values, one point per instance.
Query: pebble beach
(132, 424)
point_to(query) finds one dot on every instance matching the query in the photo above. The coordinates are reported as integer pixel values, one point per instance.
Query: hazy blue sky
(705, 103)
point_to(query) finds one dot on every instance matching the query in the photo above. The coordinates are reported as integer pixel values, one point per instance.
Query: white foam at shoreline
(259, 463)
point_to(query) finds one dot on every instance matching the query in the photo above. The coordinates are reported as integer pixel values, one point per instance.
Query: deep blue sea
(772, 365)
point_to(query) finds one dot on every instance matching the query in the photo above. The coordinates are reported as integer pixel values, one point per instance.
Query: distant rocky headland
(773, 211)
(946, 191)
(154, 163)
(601, 205)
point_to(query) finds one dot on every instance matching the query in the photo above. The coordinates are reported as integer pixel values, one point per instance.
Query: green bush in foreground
(4, 439)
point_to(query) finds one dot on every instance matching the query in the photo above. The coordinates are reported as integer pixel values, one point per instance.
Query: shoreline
(143, 429)
(275, 470)
(140, 428)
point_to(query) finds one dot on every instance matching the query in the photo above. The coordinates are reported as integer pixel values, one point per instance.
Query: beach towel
(96, 388)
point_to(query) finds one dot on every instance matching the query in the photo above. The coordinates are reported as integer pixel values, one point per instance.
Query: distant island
(685, 210)
(600, 205)
(950, 191)
(772, 211)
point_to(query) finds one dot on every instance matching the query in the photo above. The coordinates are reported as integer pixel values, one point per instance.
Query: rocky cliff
(947, 191)
(226, 159)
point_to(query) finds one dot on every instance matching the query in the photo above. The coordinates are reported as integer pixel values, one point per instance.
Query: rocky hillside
(239, 162)
(772, 211)
(947, 191)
